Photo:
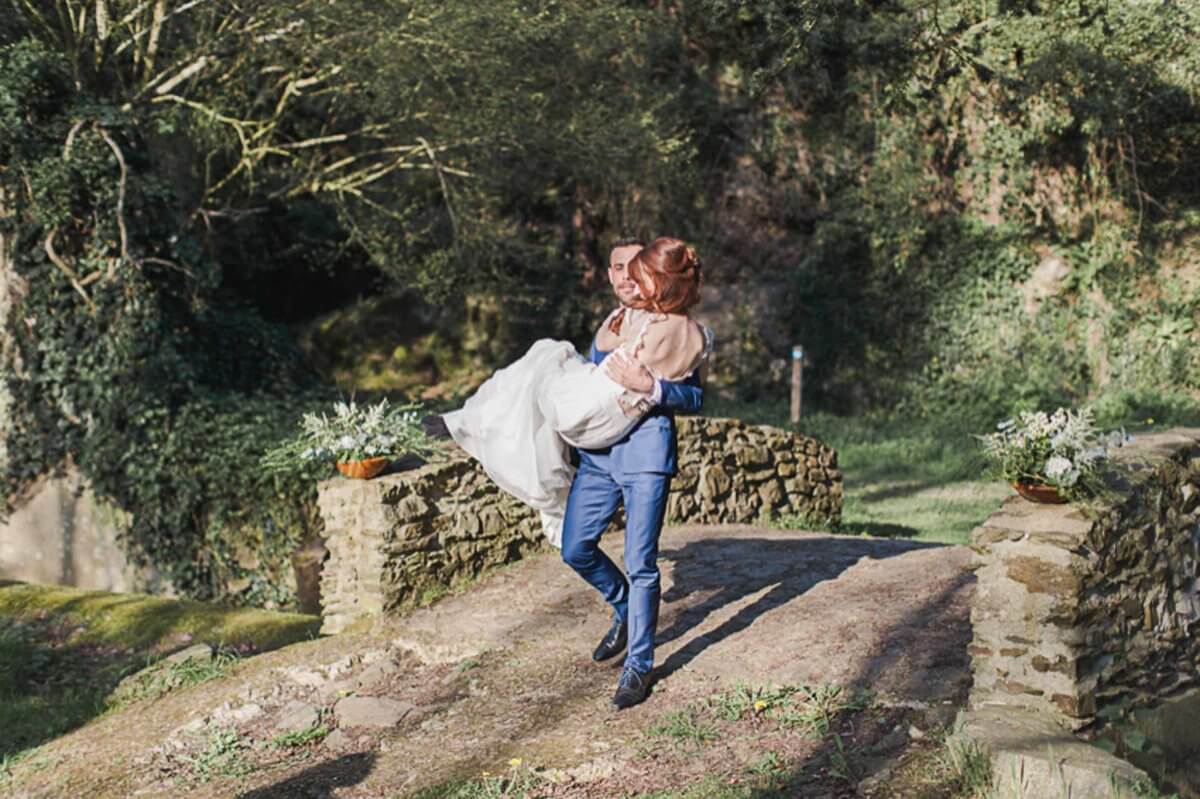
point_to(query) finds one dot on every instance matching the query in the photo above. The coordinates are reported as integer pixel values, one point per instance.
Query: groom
(637, 471)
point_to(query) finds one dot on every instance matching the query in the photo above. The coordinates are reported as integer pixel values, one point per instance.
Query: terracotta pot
(1039, 492)
(364, 469)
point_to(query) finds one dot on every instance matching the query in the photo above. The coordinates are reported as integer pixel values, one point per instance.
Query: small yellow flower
(759, 705)
(1150, 420)
(516, 761)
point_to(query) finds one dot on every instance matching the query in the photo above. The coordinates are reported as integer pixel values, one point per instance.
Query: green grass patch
(925, 479)
(901, 479)
(223, 755)
(293, 740)
(811, 709)
(518, 781)
(162, 678)
(686, 728)
(64, 650)
(711, 787)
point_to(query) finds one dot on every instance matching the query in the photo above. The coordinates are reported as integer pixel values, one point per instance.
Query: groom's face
(624, 287)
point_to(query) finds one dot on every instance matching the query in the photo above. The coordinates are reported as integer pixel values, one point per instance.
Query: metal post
(797, 381)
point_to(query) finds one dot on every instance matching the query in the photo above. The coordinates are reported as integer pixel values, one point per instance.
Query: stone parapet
(404, 536)
(733, 472)
(1089, 614)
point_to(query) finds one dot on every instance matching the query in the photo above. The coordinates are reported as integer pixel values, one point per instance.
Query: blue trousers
(595, 496)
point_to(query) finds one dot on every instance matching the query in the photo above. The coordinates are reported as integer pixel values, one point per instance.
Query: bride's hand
(627, 371)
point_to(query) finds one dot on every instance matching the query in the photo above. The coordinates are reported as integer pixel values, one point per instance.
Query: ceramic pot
(364, 469)
(1039, 492)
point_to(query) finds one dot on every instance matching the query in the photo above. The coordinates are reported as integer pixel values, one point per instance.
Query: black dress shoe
(632, 689)
(613, 642)
(434, 426)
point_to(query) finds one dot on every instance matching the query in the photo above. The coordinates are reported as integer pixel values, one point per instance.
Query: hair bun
(690, 259)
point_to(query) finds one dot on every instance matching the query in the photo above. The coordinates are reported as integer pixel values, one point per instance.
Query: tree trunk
(10, 291)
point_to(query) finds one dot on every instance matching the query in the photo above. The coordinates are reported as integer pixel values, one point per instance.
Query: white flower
(346, 442)
(1057, 466)
(1062, 471)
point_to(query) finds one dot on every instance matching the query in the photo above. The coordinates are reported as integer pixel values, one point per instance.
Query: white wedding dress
(520, 423)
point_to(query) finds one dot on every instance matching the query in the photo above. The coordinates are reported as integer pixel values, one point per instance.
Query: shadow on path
(940, 655)
(320, 781)
(726, 570)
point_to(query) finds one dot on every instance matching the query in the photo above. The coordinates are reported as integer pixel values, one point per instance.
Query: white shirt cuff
(656, 393)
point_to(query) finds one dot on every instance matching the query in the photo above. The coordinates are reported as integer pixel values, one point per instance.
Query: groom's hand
(628, 372)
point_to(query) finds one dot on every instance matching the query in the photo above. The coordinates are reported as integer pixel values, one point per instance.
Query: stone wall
(1090, 614)
(62, 534)
(404, 536)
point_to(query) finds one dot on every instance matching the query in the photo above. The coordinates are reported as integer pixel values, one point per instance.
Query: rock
(1033, 756)
(370, 711)
(192, 727)
(297, 716)
(245, 713)
(337, 740)
(714, 482)
(306, 678)
(895, 739)
(200, 652)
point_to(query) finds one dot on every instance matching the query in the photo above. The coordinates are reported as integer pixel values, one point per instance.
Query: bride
(522, 421)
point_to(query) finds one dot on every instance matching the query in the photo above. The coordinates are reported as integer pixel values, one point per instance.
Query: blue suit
(636, 470)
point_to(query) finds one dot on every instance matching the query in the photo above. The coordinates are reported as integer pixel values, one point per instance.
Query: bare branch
(160, 9)
(71, 138)
(48, 245)
(120, 195)
(170, 264)
(187, 72)
(445, 189)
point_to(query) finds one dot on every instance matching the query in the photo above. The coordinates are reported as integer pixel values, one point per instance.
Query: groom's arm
(686, 396)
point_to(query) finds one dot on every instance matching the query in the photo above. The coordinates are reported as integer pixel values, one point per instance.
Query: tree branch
(48, 245)
(120, 195)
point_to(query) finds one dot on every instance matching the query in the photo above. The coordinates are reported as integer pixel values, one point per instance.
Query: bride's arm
(686, 396)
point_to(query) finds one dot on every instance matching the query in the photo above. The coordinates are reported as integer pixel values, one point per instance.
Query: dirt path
(503, 673)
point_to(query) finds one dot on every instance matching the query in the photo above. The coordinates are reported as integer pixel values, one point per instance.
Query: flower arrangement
(353, 433)
(1063, 449)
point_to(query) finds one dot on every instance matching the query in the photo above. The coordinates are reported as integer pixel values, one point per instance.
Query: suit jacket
(650, 446)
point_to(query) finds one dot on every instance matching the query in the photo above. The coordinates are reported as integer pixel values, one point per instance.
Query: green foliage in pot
(1061, 449)
(352, 433)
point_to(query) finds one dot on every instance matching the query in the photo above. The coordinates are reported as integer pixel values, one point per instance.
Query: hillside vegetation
(217, 216)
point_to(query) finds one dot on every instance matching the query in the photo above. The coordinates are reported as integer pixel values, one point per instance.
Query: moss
(141, 622)
(64, 650)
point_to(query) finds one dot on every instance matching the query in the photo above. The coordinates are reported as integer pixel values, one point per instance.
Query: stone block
(1031, 756)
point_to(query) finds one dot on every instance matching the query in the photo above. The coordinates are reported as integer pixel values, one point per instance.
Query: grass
(967, 766)
(222, 756)
(900, 479)
(918, 479)
(64, 650)
(810, 709)
(684, 727)
(518, 781)
(155, 682)
(293, 740)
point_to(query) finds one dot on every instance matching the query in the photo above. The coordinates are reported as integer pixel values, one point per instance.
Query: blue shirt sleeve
(686, 396)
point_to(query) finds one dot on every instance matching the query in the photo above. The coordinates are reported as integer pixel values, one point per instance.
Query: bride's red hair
(668, 274)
